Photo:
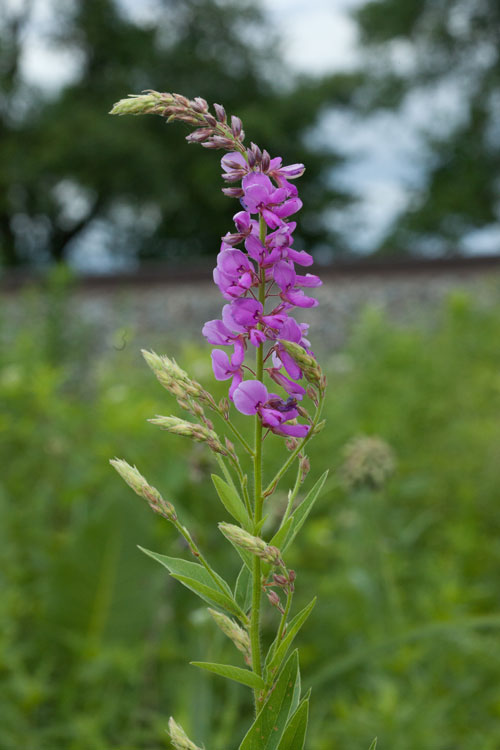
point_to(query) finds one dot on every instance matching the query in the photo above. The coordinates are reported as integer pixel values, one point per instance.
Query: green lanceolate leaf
(277, 652)
(243, 589)
(269, 726)
(244, 676)
(232, 502)
(294, 735)
(302, 511)
(196, 578)
(210, 595)
(373, 746)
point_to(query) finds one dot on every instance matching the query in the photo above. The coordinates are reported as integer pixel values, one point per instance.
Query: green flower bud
(179, 738)
(141, 487)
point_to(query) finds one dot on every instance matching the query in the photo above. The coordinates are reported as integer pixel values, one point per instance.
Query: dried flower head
(367, 461)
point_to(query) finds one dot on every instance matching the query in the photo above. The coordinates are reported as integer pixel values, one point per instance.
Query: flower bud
(274, 599)
(179, 738)
(239, 637)
(307, 363)
(236, 125)
(150, 102)
(253, 544)
(141, 487)
(198, 432)
(220, 112)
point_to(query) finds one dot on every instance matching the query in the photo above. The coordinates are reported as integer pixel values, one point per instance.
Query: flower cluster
(262, 270)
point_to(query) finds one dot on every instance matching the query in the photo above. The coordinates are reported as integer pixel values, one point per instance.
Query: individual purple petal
(256, 337)
(221, 365)
(293, 389)
(216, 332)
(284, 275)
(270, 217)
(290, 365)
(309, 280)
(270, 417)
(237, 378)
(242, 221)
(239, 353)
(293, 430)
(249, 395)
(288, 208)
(255, 248)
(300, 257)
(292, 171)
(299, 299)
(233, 160)
(246, 312)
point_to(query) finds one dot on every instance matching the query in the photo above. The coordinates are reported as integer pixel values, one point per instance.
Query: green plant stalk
(272, 484)
(258, 502)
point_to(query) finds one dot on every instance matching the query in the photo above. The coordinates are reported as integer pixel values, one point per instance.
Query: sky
(386, 157)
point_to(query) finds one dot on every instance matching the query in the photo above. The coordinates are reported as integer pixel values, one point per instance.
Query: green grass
(95, 639)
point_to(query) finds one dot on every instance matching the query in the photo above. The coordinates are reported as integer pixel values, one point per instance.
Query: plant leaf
(293, 628)
(232, 502)
(373, 746)
(210, 595)
(301, 512)
(294, 735)
(244, 676)
(281, 534)
(197, 579)
(269, 726)
(243, 589)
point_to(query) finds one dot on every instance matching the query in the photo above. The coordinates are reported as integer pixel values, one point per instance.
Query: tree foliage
(429, 49)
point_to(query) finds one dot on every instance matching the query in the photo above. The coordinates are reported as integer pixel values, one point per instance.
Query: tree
(420, 48)
(69, 169)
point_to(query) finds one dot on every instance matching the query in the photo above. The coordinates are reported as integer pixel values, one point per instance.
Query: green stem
(292, 496)
(272, 484)
(234, 430)
(258, 502)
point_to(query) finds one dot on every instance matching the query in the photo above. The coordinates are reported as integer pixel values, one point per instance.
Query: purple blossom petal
(221, 365)
(249, 395)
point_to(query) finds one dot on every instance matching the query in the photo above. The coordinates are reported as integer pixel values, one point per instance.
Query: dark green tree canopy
(69, 169)
(422, 46)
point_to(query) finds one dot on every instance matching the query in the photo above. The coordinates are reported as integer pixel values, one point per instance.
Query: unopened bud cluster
(307, 363)
(179, 738)
(139, 484)
(253, 544)
(239, 637)
(198, 432)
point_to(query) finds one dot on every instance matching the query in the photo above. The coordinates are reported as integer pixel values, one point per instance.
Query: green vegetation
(403, 640)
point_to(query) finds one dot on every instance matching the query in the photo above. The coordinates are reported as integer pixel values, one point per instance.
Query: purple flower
(252, 397)
(286, 279)
(244, 315)
(260, 196)
(224, 368)
(293, 389)
(234, 274)
(219, 334)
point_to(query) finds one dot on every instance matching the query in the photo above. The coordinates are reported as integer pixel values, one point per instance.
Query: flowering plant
(256, 274)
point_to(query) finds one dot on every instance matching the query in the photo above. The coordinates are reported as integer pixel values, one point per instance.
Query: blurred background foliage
(95, 637)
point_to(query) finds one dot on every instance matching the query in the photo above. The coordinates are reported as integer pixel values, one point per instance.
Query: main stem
(258, 500)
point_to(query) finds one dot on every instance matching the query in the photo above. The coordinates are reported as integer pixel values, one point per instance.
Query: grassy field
(95, 639)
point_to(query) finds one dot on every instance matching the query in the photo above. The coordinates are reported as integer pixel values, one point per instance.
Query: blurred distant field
(94, 637)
